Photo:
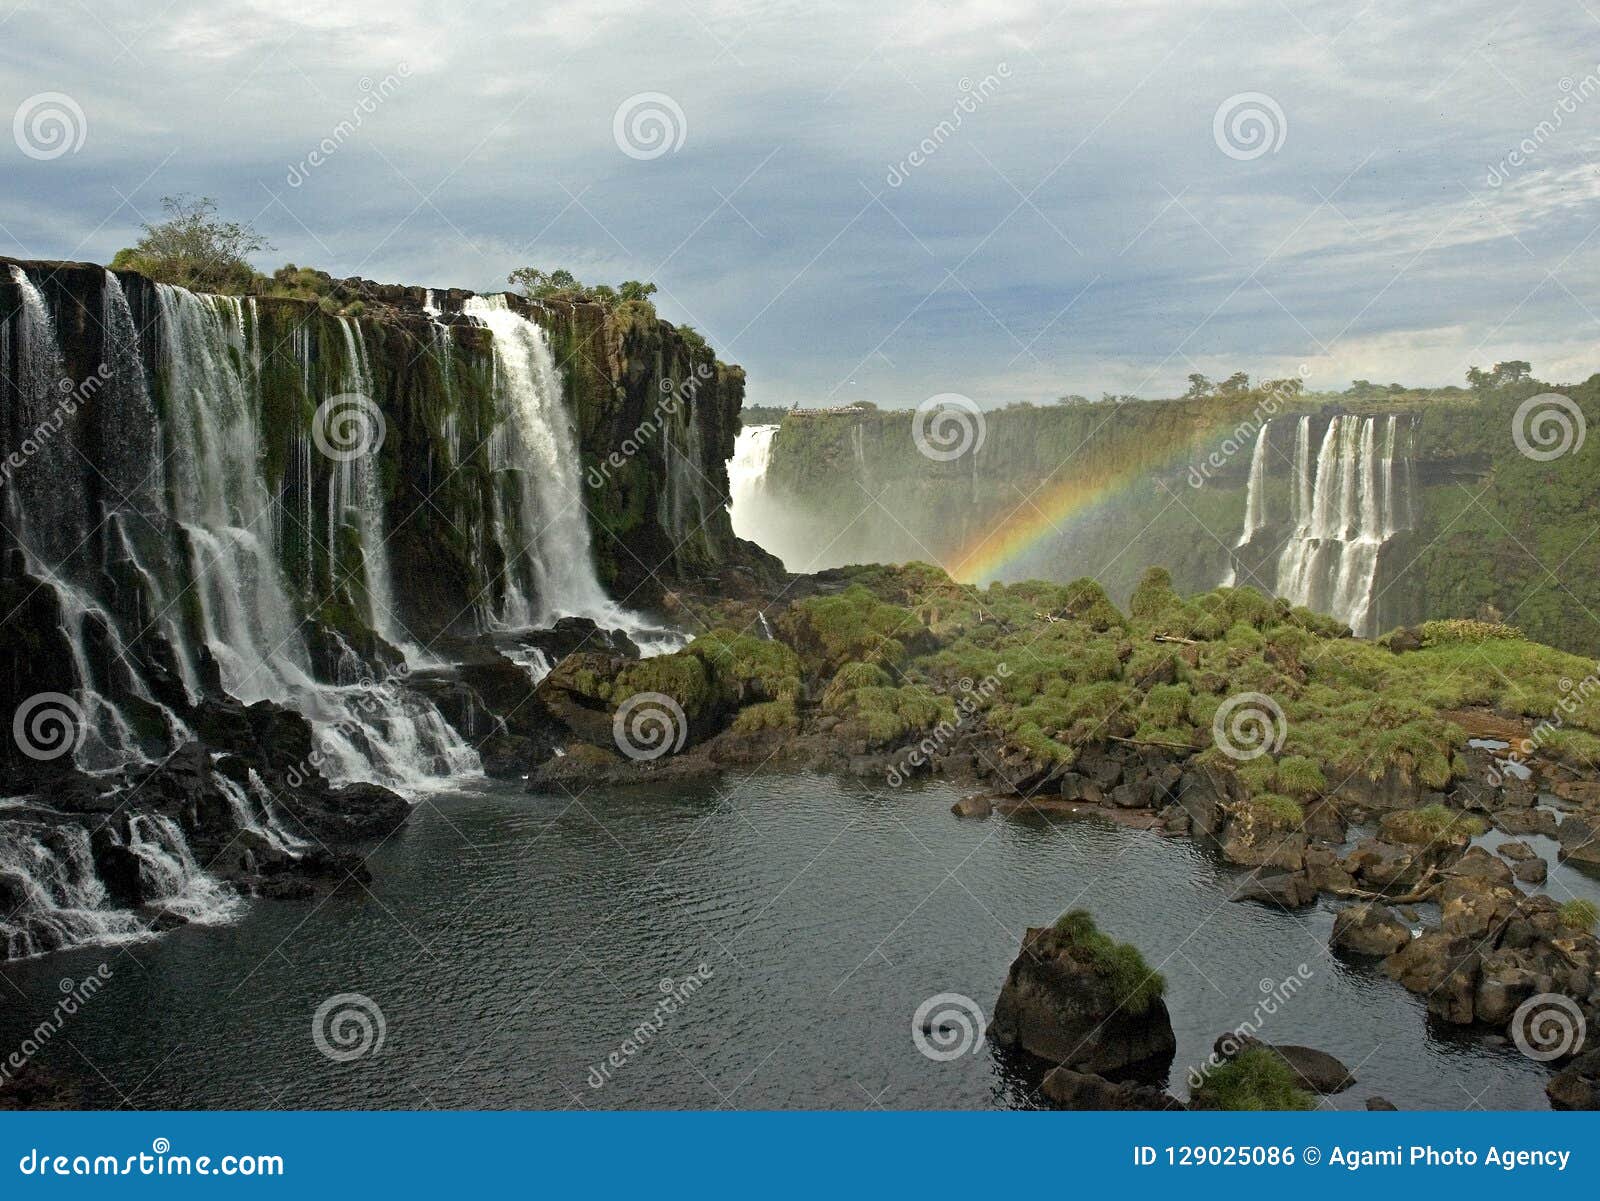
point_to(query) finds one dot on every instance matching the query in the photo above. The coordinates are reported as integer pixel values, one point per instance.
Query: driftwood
(1172, 746)
(1174, 638)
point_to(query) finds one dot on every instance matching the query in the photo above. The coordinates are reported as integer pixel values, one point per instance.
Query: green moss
(1256, 1081)
(768, 715)
(1135, 984)
(1278, 812)
(1432, 823)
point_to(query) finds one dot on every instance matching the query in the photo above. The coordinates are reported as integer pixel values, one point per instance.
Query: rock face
(1369, 929)
(1061, 1006)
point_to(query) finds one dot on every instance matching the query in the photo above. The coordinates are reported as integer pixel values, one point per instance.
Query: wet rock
(1443, 968)
(1369, 929)
(1526, 821)
(1326, 871)
(1288, 890)
(973, 806)
(1532, 871)
(1576, 1086)
(1063, 1003)
(1580, 838)
(1515, 851)
(1316, 1071)
(1069, 1089)
(1381, 1104)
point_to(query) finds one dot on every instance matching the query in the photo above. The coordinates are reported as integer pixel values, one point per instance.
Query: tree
(1235, 385)
(537, 284)
(1199, 386)
(1512, 372)
(194, 249)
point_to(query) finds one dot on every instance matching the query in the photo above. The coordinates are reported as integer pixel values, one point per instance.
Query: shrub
(1254, 1082)
(192, 248)
(1579, 914)
(1136, 985)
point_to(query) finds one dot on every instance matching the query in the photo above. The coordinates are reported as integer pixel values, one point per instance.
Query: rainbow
(1077, 489)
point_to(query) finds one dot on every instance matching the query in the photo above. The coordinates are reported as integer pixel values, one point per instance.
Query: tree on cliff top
(560, 284)
(194, 249)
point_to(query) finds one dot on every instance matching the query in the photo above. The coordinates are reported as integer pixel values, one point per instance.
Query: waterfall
(544, 540)
(747, 478)
(50, 896)
(1343, 512)
(1254, 499)
(188, 523)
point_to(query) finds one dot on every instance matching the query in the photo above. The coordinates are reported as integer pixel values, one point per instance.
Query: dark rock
(1526, 821)
(1069, 1089)
(973, 806)
(1515, 851)
(1579, 838)
(1060, 1005)
(1369, 929)
(1316, 1071)
(1381, 1104)
(1289, 890)
(1576, 1086)
(1443, 968)
(1532, 871)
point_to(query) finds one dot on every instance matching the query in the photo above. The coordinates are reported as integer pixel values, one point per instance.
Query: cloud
(1368, 242)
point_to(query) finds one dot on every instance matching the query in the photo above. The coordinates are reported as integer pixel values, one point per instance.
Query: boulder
(1061, 1004)
(1532, 871)
(1369, 929)
(1381, 1104)
(1576, 1086)
(973, 806)
(1071, 1089)
(1526, 821)
(1316, 1071)
(1288, 890)
(1579, 838)
(1442, 967)
(1515, 851)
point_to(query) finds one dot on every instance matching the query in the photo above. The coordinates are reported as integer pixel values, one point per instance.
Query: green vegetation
(537, 284)
(194, 249)
(1579, 915)
(1255, 1081)
(1135, 984)
(1432, 824)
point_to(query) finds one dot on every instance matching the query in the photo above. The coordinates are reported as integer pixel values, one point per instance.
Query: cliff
(1105, 491)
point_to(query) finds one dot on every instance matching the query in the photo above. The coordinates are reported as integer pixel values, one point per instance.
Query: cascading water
(1254, 497)
(545, 540)
(747, 477)
(1343, 512)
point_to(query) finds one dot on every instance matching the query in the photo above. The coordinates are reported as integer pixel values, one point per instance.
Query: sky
(1010, 200)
